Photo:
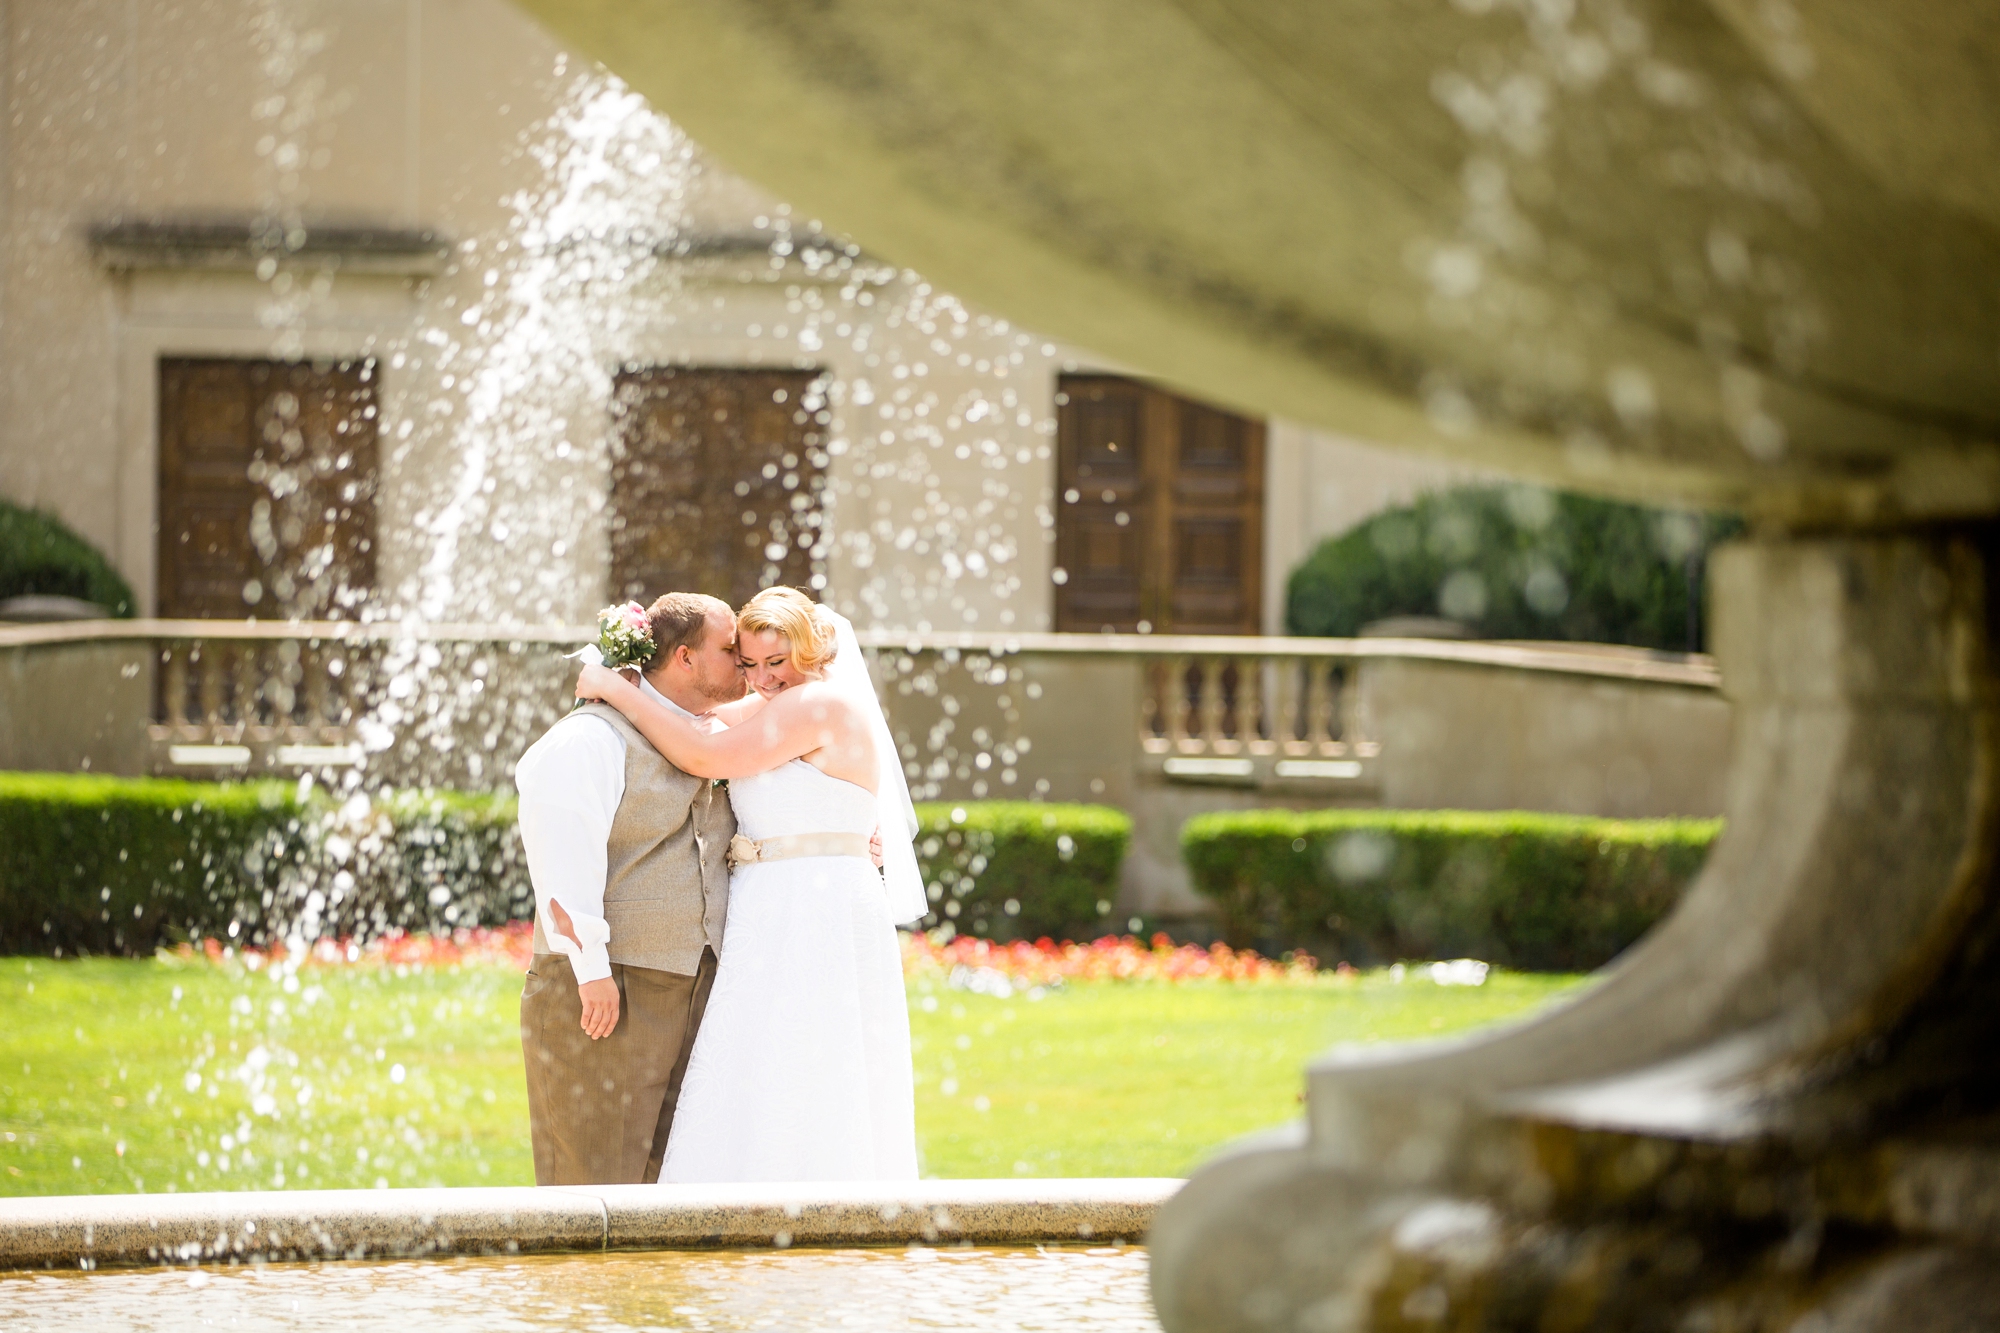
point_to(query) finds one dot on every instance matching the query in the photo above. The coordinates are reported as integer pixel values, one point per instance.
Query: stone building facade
(395, 308)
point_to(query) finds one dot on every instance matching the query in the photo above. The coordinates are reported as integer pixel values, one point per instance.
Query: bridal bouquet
(624, 639)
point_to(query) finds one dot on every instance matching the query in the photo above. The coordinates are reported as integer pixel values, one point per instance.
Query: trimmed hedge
(40, 555)
(122, 865)
(116, 865)
(1523, 890)
(1010, 870)
(108, 865)
(453, 858)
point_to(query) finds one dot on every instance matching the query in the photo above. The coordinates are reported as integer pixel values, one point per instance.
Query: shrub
(40, 555)
(123, 865)
(1515, 562)
(1022, 870)
(117, 865)
(1535, 891)
(453, 859)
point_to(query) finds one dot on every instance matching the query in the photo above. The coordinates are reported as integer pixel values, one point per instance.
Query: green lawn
(154, 1075)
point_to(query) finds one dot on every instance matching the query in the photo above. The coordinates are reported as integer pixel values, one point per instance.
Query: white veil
(848, 673)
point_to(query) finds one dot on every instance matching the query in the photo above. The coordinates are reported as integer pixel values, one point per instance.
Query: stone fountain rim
(256, 1226)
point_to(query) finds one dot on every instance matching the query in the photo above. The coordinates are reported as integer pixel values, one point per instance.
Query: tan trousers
(599, 1111)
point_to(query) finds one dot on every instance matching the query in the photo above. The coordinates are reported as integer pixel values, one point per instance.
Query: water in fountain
(1000, 1291)
(496, 449)
(494, 426)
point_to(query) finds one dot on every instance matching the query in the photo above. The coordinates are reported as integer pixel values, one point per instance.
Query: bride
(801, 1068)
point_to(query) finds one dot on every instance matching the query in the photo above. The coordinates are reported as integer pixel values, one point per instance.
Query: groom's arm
(570, 783)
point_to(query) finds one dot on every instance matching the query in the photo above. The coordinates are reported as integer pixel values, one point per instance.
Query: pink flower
(636, 620)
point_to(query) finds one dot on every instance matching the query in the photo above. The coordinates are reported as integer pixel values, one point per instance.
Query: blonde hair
(796, 616)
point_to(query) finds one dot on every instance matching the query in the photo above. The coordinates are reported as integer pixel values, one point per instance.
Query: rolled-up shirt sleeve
(571, 781)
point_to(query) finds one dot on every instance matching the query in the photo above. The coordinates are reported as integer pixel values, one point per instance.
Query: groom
(626, 854)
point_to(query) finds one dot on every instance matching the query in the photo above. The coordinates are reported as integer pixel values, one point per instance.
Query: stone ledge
(242, 245)
(94, 1231)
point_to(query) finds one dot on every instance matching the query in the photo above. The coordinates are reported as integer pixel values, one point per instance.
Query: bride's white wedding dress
(801, 1069)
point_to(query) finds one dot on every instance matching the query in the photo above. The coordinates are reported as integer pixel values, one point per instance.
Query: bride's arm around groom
(808, 721)
(819, 705)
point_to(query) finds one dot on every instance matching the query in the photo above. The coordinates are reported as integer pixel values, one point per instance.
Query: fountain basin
(1102, 1288)
(97, 1231)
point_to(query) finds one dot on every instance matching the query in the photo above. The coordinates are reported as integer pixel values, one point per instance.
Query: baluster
(359, 683)
(313, 680)
(1174, 699)
(253, 682)
(284, 684)
(1353, 726)
(240, 686)
(276, 663)
(253, 676)
(1319, 703)
(1213, 704)
(1250, 704)
(341, 685)
(371, 687)
(208, 687)
(222, 675)
(1149, 702)
(284, 689)
(173, 686)
(1285, 704)
(1343, 707)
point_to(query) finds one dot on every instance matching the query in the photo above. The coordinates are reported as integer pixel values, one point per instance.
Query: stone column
(1776, 1105)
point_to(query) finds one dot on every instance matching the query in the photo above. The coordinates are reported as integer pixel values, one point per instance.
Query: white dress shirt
(571, 781)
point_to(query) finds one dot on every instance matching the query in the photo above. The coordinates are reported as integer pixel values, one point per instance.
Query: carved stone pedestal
(1776, 1112)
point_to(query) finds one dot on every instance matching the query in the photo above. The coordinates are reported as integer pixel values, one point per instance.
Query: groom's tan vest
(666, 884)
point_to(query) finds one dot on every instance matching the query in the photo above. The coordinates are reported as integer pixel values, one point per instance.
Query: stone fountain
(1735, 253)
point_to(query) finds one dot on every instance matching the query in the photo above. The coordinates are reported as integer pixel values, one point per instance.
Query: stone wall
(1456, 736)
(76, 707)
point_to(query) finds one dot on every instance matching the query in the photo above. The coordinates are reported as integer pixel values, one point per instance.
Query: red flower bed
(511, 944)
(1042, 963)
(1111, 958)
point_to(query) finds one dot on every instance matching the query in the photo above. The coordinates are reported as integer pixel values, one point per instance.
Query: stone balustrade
(1163, 726)
(254, 695)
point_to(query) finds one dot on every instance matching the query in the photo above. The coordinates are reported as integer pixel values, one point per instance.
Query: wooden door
(267, 488)
(716, 482)
(1102, 478)
(1161, 511)
(1214, 528)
